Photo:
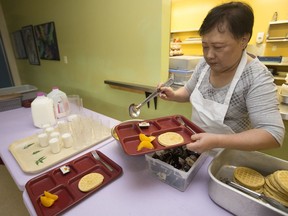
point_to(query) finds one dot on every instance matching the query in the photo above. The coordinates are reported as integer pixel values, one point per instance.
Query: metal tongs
(134, 110)
(256, 195)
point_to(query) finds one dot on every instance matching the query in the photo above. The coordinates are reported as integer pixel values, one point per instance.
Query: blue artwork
(47, 41)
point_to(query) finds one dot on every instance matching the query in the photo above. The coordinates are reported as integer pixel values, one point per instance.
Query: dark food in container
(180, 157)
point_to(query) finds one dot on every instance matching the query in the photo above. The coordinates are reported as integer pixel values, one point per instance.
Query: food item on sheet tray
(170, 139)
(48, 199)
(145, 142)
(249, 178)
(276, 186)
(90, 181)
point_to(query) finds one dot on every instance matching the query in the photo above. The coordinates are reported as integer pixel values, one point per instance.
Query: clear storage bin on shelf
(180, 76)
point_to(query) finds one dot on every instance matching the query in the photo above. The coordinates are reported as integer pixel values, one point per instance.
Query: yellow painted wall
(189, 14)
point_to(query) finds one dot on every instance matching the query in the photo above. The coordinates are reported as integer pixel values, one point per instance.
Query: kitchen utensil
(256, 195)
(97, 157)
(180, 120)
(134, 110)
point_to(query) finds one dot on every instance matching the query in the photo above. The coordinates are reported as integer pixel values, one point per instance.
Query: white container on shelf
(61, 103)
(42, 111)
(184, 62)
(180, 76)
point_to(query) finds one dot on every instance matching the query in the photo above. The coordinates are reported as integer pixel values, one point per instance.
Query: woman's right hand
(166, 93)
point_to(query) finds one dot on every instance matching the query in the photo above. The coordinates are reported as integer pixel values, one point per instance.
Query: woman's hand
(250, 140)
(202, 142)
(166, 93)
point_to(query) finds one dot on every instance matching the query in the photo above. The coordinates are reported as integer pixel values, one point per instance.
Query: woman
(234, 99)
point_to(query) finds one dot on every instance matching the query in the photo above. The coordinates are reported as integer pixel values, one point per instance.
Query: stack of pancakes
(274, 185)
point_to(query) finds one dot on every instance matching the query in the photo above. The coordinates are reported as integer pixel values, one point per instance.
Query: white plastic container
(284, 87)
(61, 103)
(181, 77)
(184, 62)
(42, 111)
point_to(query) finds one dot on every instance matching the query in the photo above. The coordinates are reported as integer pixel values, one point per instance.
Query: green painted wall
(125, 40)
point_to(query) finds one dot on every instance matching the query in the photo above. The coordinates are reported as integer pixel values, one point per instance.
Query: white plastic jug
(42, 111)
(61, 103)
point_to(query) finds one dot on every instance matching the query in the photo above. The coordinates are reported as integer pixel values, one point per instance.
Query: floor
(11, 202)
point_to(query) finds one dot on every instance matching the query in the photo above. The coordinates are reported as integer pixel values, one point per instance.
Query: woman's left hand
(202, 142)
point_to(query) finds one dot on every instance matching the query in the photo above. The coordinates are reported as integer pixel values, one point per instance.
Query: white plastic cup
(75, 103)
(67, 140)
(49, 130)
(55, 134)
(43, 139)
(55, 145)
(63, 126)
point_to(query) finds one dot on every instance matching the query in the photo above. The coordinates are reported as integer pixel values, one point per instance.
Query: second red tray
(66, 185)
(128, 133)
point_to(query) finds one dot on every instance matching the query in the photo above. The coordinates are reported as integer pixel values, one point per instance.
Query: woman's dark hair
(237, 16)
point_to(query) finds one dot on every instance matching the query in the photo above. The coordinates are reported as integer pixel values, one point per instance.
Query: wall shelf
(277, 31)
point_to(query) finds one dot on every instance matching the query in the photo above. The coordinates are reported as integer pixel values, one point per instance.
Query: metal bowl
(113, 132)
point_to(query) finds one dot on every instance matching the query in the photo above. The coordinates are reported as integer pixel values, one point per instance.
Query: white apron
(209, 115)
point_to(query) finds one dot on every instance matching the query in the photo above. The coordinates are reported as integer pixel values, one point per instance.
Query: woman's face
(221, 50)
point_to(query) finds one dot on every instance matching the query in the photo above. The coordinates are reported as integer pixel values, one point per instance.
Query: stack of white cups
(56, 138)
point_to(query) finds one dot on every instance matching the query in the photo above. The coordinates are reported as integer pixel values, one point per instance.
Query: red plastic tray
(128, 133)
(66, 185)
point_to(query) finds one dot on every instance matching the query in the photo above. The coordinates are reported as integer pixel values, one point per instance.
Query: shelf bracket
(154, 99)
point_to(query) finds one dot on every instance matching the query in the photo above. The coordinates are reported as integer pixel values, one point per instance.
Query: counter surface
(139, 193)
(136, 192)
(17, 124)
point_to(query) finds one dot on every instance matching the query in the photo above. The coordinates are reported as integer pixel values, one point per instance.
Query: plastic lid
(40, 94)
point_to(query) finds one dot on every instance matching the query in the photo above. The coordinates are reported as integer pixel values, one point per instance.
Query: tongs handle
(254, 194)
(156, 93)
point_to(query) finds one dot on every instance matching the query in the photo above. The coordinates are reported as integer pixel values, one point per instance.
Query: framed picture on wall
(18, 45)
(30, 45)
(47, 41)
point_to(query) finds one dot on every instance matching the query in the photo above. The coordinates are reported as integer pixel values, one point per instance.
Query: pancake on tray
(90, 181)
(170, 139)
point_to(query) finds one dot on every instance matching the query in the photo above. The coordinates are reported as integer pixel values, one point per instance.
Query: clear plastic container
(42, 111)
(61, 103)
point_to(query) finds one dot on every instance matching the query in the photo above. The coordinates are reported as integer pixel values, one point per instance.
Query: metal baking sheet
(66, 185)
(128, 133)
(233, 200)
